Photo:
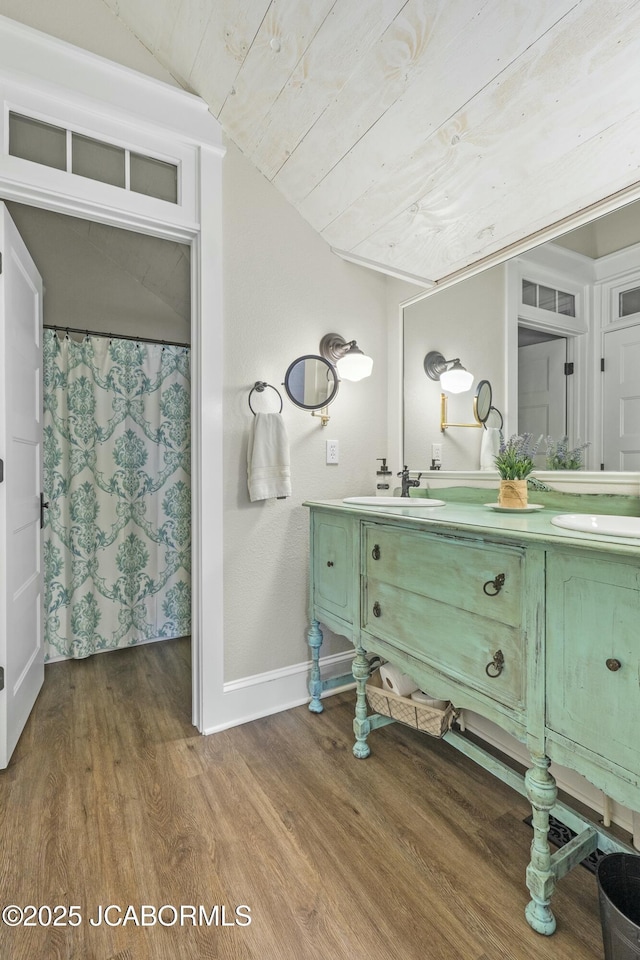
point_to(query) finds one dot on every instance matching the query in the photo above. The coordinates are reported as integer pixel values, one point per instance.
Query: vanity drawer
(459, 643)
(448, 569)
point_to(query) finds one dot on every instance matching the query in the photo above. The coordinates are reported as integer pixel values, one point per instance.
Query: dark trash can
(618, 876)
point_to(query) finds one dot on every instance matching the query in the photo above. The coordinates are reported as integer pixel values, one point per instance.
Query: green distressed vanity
(533, 627)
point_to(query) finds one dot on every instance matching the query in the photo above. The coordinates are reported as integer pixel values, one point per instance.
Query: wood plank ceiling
(417, 135)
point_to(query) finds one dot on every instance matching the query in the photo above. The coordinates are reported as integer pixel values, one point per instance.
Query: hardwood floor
(113, 798)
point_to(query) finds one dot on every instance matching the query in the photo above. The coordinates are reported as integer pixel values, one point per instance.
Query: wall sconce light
(346, 356)
(453, 377)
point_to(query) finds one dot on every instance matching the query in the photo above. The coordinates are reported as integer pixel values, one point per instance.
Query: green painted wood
(333, 683)
(558, 501)
(574, 852)
(605, 840)
(569, 603)
(542, 793)
(377, 720)
(332, 562)
(361, 724)
(593, 625)
(479, 521)
(314, 638)
(451, 570)
(438, 634)
(487, 760)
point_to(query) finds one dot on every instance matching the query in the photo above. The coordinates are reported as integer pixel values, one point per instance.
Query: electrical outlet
(332, 451)
(436, 452)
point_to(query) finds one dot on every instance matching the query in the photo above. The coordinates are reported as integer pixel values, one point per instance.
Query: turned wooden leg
(542, 793)
(361, 726)
(315, 682)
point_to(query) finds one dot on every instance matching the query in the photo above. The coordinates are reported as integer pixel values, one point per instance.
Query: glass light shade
(457, 380)
(355, 365)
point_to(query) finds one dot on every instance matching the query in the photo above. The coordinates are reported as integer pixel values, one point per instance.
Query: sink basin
(417, 502)
(599, 524)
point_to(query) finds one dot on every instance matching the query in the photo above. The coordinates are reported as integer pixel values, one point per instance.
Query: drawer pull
(613, 664)
(495, 668)
(329, 563)
(377, 609)
(494, 586)
(375, 553)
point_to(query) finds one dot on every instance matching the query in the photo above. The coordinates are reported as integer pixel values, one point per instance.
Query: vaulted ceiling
(416, 136)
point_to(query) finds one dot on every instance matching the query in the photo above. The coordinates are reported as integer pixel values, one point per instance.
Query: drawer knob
(375, 553)
(493, 587)
(496, 666)
(613, 664)
(329, 563)
(377, 609)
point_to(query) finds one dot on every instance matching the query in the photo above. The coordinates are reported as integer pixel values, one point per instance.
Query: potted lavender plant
(515, 461)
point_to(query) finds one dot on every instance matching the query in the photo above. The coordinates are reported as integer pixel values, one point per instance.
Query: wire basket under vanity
(432, 720)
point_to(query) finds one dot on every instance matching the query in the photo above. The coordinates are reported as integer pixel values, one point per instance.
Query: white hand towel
(268, 467)
(489, 448)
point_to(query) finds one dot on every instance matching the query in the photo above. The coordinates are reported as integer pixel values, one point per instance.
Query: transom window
(63, 149)
(547, 298)
(629, 302)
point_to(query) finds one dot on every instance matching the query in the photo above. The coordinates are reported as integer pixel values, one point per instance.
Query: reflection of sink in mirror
(599, 524)
(394, 502)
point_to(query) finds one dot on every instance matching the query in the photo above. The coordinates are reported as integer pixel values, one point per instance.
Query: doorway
(542, 386)
(116, 428)
(126, 288)
(73, 92)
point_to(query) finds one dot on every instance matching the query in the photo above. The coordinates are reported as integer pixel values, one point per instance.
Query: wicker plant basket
(417, 715)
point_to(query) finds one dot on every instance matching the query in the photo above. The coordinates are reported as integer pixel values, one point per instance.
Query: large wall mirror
(557, 332)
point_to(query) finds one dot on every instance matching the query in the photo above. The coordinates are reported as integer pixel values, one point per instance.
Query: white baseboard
(266, 693)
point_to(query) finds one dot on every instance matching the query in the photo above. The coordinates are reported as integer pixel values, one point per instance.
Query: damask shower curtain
(117, 535)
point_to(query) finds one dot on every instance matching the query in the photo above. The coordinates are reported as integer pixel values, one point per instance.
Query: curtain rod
(115, 336)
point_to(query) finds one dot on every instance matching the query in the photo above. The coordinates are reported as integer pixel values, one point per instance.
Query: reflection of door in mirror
(583, 287)
(542, 394)
(621, 417)
(549, 320)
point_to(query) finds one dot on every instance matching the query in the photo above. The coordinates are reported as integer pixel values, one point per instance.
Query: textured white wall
(466, 321)
(284, 289)
(89, 24)
(108, 280)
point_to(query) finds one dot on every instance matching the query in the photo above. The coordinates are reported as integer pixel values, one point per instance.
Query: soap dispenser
(383, 486)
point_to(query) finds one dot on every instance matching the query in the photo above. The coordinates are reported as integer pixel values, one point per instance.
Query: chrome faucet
(406, 482)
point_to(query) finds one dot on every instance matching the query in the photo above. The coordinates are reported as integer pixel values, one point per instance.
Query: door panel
(21, 634)
(542, 390)
(593, 660)
(333, 570)
(621, 391)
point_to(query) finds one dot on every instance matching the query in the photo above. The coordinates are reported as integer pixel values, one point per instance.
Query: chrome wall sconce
(453, 377)
(346, 356)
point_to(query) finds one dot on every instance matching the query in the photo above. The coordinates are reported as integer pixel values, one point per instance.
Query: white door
(621, 404)
(21, 604)
(542, 391)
